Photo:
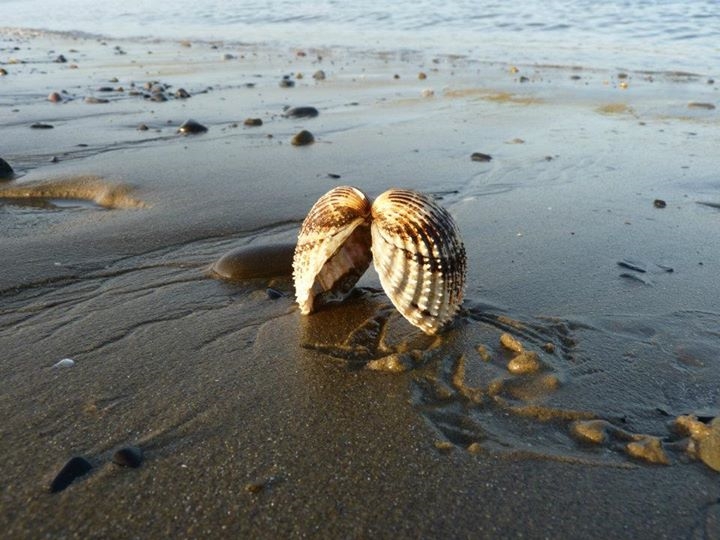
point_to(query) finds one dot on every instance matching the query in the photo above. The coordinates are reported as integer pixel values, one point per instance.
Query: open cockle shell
(413, 241)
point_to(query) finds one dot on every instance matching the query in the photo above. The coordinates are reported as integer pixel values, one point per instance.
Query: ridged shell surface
(419, 256)
(333, 248)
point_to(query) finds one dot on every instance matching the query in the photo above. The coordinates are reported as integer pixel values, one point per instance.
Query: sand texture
(574, 396)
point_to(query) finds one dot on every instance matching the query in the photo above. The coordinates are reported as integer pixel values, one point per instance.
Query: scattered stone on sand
(228, 56)
(256, 261)
(524, 79)
(181, 93)
(158, 97)
(253, 122)
(319, 75)
(286, 82)
(485, 355)
(3, 72)
(54, 97)
(74, 468)
(549, 347)
(105, 89)
(334, 176)
(40, 125)
(444, 446)
(511, 343)
(128, 456)
(273, 294)
(422, 76)
(94, 101)
(705, 436)
(659, 203)
(191, 127)
(54, 159)
(64, 363)
(479, 156)
(524, 363)
(392, 363)
(303, 138)
(591, 431)
(301, 112)
(60, 59)
(701, 105)
(648, 449)
(396, 76)
(6, 171)
(142, 127)
(427, 93)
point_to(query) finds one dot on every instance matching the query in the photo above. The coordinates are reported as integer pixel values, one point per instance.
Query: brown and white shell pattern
(415, 244)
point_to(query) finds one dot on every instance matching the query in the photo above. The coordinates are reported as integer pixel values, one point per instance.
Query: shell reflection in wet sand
(414, 243)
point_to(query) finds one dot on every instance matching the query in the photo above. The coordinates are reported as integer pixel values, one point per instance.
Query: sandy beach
(592, 243)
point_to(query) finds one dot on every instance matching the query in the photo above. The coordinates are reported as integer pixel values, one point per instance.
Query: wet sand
(254, 420)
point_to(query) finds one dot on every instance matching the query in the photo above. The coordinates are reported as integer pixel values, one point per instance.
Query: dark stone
(54, 159)
(142, 127)
(40, 125)
(333, 176)
(253, 122)
(524, 79)
(106, 89)
(287, 83)
(302, 112)
(319, 75)
(191, 127)
(6, 171)
(302, 138)
(60, 59)
(479, 156)
(659, 203)
(273, 294)
(181, 93)
(54, 97)
(94, 101)
(3, 72)
(129, 456)
(74, 468)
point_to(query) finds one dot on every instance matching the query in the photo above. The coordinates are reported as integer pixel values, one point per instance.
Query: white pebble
(65, 362)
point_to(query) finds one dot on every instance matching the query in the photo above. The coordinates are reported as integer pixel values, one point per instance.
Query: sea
(665, 35)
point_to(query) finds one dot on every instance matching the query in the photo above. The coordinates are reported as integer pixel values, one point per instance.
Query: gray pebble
(74, 468)
(129, 456)
(6, 171)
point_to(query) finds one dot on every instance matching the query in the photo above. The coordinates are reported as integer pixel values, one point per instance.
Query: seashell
(414, 243)
(333, 248)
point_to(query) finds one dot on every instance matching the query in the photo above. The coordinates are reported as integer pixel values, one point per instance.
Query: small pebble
(60, 59)
(301, 112)
(524, 363)
(74, 468)
(191, 127)
(181, 93)
(287, 83)
(93, 100)
(54, 97)
(228, 56)
(319, 75)
(40, 125)
(659, 203)
(511, 343)
(396, 76)
(422, 76)
(129, 456)
(479, 156)
(158, 97)
(142, 127)
(54, 159)
(6, 171)
(524, 79)
(273, 294)
(334, 176)
(65, 362)
(105, 89)
(3, 72)
(700, 105)
(303, 138)
(253, 122)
